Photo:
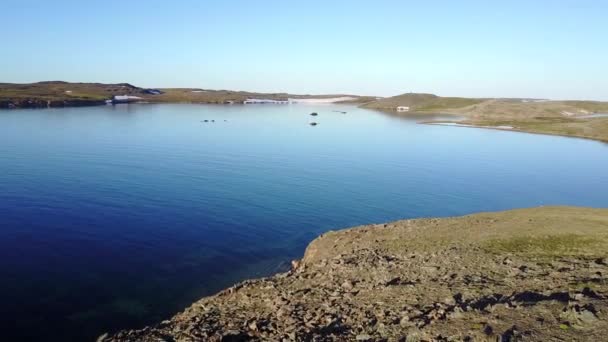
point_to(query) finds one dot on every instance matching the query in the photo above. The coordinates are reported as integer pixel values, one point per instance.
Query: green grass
(562, 245)
(591, 106)
(422, 102)
(444, 103)
(593, 128)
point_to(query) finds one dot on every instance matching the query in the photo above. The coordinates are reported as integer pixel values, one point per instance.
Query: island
(537, 274)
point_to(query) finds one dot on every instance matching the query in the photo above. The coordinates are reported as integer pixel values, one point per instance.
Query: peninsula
(583, 119)
(537, 274)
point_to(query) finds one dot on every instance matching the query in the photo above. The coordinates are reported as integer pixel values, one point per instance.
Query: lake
(120, 216)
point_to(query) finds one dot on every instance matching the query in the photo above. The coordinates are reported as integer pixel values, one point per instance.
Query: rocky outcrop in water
(531, 275)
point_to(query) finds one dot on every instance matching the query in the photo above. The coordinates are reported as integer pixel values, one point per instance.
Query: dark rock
(488, 330)
(235, 336)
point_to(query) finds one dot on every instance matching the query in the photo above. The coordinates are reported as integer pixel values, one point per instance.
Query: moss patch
(562, 245)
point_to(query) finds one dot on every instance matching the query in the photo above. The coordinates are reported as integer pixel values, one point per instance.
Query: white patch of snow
(323, 100)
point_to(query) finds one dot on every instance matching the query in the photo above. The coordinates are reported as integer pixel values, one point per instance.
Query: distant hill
(582, 119)
(60, 94)
(421, 102)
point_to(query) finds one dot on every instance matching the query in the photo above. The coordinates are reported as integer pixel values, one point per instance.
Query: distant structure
(403, 109)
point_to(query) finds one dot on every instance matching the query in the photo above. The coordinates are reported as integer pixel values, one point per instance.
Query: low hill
(532, 274)
(421, 102)
(568, 118)
(59, 94)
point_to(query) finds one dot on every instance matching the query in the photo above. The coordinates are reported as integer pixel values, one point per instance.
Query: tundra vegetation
(536, 274)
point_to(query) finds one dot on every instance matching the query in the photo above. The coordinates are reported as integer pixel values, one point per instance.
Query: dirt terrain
(523, 275)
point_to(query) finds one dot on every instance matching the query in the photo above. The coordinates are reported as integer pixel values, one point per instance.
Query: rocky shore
(40, 103)
(532, 274)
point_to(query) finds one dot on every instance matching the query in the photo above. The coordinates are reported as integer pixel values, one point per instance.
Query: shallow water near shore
(120, 216)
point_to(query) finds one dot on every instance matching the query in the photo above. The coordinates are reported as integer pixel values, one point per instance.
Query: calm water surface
(116, 217)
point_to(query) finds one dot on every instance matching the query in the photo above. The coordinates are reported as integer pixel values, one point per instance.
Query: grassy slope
(547, 231)
(592, 128)
(549, 117)
(58, 91)
(544, 117)
(421, 102)
(541, 270)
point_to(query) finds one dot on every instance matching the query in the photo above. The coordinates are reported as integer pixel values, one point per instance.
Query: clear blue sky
(550, 49)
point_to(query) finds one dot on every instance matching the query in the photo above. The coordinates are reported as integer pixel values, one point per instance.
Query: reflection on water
(420, 117)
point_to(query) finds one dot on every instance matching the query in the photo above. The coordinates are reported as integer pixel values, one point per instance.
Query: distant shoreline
(510, 129)
(57, 94)
(562, 118)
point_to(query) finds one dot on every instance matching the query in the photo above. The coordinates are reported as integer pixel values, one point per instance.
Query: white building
(403, 109)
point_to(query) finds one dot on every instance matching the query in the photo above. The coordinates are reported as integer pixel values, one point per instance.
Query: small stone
(253, 326)
(587, 317)
(488, 330)
(348, 285)
(456, 314)
(450, 301)
(102, 337)
(363, 337)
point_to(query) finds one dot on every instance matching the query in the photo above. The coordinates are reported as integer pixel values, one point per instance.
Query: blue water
(116, 217)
